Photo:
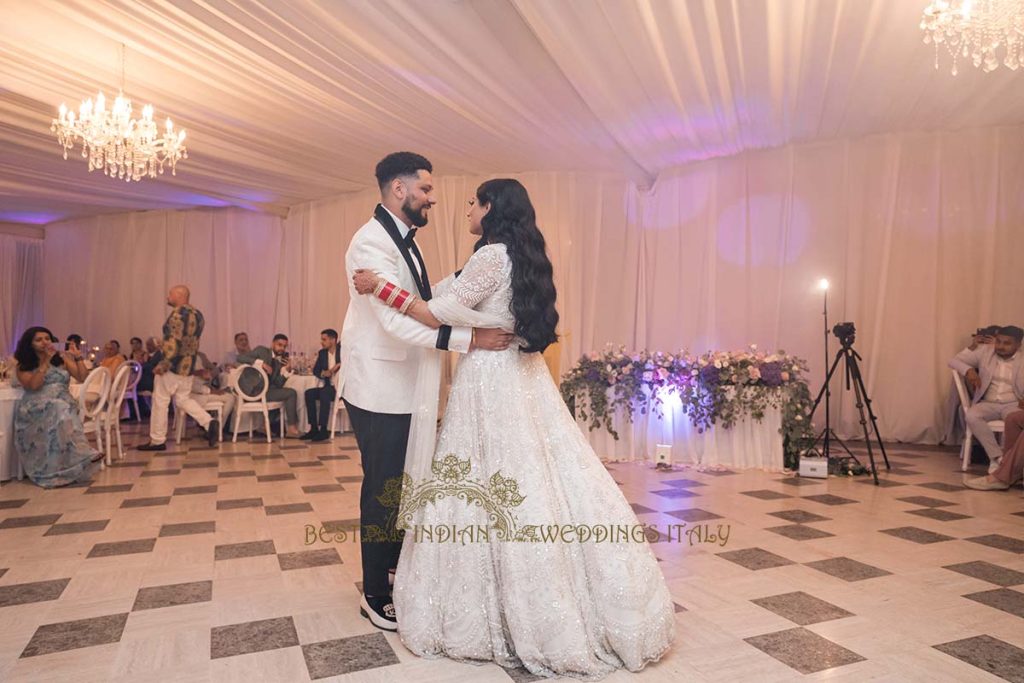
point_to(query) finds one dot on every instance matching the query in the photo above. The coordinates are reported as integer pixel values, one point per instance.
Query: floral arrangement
(718, 387)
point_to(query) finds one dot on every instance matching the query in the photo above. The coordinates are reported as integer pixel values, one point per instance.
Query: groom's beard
(417, 218)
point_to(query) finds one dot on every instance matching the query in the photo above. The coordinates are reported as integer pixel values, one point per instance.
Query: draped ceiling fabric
(696, 167)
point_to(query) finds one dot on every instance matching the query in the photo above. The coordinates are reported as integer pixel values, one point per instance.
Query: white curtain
(916, 232)
(21, 282)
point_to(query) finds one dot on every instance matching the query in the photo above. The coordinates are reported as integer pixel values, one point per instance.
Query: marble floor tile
(287, 509)
(25, 593)
(682, 483)
(804, 650)
(187, 528)
(1005, 599)
(802, 608)
(800, 481)
(275, 477)
(323, 488)
(146, 502)
(799, 516)
(111, 488)
(989, 654)
(349, 479)
(77, 527)
(755, 558)
(942, 486)
(253, 636)
(926, 501)
(12, 504)
(846, 569)
(828, 499)
(141, 545)
(236, 503)
(917, 535)
(938, 514)
(882, 483)
(348, 655)
(194, 490)
(674, 493)
(231, 474)
(233, 551)
(304, 559)
(641, 509)
(305, 463)
(799, 532)
(33, 520)
(693, 515)
(328, 458)
(766, 494)
(1007, 543)
(71, 635)
(986, 571)
(161, 473)
(200, 465)
(156, 597)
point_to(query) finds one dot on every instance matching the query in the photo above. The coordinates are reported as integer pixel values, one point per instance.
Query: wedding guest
(138, 354)
(48, 433)
(984, 335)
(112, 356)
(275, 362)
(241, 348)
(205, 392)
(328, 362)
(173, 374)
(76, 341)
(1011, 468)
(995, 374)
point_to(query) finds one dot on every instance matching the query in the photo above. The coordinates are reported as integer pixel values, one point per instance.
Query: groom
(380, 351)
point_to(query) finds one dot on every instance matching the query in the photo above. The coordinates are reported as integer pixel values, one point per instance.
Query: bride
(560, 606)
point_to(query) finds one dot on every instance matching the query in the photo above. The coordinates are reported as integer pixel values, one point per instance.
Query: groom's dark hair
(333, 334)
(398, 164)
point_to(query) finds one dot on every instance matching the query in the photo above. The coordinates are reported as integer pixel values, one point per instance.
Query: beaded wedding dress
(510, 468)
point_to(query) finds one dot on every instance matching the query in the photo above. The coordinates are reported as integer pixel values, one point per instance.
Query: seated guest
(112, 357)
(148, 377)
(75, 341)
(138, 354)
(984, 335)
(241, 348)
(1011, 468)
(995, 374)
(328, 362)
(48, 432)
(204, 393)
(275, 363)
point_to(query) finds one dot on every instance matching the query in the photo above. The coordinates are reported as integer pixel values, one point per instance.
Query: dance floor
(192, 565)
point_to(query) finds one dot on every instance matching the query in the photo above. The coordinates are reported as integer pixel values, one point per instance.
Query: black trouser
(318, 420)
(382, 440)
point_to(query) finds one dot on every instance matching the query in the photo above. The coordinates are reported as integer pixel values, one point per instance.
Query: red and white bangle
(394, 296)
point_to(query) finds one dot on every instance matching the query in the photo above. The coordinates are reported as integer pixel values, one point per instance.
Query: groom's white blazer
(380, 347)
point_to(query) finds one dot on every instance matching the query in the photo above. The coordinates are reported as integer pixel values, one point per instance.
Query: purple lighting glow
(30, 217)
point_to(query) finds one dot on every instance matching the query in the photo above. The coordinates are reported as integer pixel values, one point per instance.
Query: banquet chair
(255, 402)
(110, 418)
(181, 418)
(97, 383)
(131, 391)
(996, 426)
(339, 407)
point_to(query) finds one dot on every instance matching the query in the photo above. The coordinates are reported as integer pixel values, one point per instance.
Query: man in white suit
(995, 372)
(380, 351)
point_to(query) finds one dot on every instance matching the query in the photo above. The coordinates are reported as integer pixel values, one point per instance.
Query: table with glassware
(9, 397)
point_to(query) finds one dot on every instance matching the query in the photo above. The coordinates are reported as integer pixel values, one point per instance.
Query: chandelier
(978, 30)
(115, 141)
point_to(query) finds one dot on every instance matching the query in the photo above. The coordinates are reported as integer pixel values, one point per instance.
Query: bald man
(173, 374)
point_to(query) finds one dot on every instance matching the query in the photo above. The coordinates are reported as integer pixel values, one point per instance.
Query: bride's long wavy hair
(513, 222)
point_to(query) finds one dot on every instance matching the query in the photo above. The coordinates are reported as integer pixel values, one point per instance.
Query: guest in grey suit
(275, 363)
(995, 373)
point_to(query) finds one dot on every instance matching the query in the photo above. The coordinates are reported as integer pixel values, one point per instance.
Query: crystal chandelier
(977, 29)
(113, 140)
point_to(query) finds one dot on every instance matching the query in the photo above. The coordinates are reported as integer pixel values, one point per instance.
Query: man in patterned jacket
(173, 375)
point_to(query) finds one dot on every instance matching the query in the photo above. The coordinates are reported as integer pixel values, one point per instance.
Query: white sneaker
(383, 617)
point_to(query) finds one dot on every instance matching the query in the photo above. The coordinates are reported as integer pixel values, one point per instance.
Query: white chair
(996, 426)
(255, 402)
(181, 418)
(110, 418)
(339, 407)
(130, 392)
(97, 384)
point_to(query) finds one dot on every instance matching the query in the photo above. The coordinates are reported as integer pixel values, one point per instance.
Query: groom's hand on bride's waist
(490, 339)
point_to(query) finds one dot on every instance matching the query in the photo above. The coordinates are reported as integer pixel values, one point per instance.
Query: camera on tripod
(846, 333)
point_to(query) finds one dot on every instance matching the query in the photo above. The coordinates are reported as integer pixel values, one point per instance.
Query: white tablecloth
(747, 445)
(9, 397)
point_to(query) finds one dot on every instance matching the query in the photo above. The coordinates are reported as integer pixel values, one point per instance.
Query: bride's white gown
(558, 608)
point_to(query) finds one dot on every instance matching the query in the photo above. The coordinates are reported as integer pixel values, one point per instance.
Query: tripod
(860, 392)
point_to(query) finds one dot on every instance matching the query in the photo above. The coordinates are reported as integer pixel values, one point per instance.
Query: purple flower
(593, 375)
(709, 374)
(771, 374)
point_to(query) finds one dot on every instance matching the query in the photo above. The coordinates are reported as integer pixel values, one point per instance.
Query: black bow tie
(411, 236)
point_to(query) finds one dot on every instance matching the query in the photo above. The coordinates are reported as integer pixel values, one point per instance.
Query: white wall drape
(21, 296)
(915, 230)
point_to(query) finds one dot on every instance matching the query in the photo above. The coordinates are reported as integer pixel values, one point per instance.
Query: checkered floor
(193, 565)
